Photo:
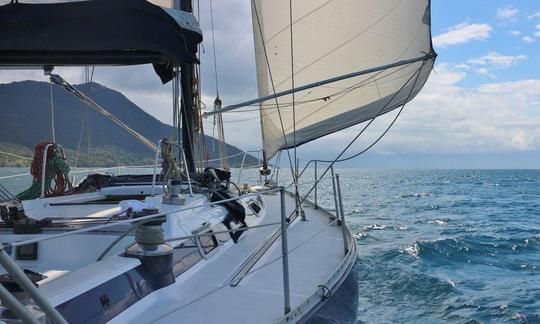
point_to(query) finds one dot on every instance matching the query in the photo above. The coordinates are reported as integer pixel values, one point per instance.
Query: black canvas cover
(97, 32)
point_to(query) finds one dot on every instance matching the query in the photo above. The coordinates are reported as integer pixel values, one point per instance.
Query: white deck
(206, 297)
(202, 294)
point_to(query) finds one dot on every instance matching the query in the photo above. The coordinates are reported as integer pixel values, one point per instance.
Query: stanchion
(343, 226)
(285, 254)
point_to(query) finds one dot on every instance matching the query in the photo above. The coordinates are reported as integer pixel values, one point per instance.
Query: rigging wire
(296, 195)
(88, 101)
(214, 47)
(52, 112)
(254, 9)
(88, 77)
(331, 164)
(16, 155)
(218, 119)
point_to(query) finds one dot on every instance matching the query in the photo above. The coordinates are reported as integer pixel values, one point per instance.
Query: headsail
(334, 38)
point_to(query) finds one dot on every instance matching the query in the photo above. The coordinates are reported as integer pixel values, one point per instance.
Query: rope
(221, 135)
(169, 164)
(371, 145)
(55, 169)
(150, 235)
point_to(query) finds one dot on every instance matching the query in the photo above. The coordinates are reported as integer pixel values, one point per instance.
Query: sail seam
(348, 41)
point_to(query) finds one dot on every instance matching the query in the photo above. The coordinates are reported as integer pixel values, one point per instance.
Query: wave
(413, 195)
(477, 249)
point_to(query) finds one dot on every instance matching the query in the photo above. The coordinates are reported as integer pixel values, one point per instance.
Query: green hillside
(25, 112)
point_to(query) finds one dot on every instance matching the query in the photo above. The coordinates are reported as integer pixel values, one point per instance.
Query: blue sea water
(438, 245)
(446, 245)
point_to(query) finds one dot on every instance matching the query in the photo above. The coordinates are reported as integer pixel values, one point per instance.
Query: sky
(480, 107)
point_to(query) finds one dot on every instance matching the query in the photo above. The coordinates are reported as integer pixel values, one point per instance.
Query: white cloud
(528, 39)
(536, 15)
(508, 13)
(537, 33)
(525, 88)
(515, 32)
(494, 61)
(486, 72)
(497, 61)
(448, 118)
(463, 33)
(463, 66)
(445, 118)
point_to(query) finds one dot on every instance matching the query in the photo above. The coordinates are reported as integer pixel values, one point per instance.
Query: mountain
(25, 116)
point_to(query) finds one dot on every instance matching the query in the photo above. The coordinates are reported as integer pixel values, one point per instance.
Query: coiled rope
(56, 169)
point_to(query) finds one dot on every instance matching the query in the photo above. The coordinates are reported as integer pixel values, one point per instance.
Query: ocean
(436, 245)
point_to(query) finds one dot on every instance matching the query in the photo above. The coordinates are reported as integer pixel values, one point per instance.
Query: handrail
(44, 169)
(22, 280)
(343, 224)
(44, 165)
(285, 253)
(14, 269)
(244, 160)
(15, 306)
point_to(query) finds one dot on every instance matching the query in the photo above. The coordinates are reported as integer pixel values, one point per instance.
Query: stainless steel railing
(156, 161)
(17, 274)
(44, 166)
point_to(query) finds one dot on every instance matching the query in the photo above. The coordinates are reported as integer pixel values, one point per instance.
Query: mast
(186, 107)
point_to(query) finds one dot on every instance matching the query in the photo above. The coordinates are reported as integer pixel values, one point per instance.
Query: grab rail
(22, 280)
(154, 175)
(44, 165)
(243, 162)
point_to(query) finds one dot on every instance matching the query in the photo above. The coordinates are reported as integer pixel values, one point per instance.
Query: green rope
(56, 165)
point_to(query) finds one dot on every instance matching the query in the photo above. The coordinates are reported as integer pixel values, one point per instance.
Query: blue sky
(481, 103)
(503, 27)
(481, 106)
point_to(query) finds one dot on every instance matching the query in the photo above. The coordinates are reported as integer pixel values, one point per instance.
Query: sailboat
(185, 244)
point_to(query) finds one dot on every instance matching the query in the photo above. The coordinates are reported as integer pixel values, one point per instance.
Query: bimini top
(97, 32)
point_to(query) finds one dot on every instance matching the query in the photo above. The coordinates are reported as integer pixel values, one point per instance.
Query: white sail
(163, 3)
(333, 38)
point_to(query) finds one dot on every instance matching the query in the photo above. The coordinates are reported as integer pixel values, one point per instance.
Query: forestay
(332, 38)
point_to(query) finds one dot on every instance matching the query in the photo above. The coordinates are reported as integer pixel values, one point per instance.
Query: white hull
(234, 283)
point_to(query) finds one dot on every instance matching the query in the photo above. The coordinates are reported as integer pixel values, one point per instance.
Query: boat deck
(316, 251)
